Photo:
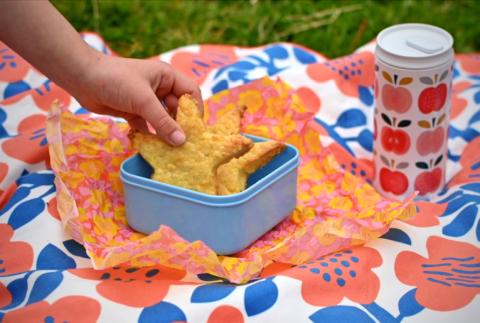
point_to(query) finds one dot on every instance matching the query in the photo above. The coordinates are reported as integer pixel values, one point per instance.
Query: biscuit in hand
(192, 165)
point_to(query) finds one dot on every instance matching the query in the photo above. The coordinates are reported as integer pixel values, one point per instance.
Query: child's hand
(128, 88)
(133, 89)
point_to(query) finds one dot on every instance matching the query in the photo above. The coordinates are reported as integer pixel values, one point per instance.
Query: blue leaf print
(26, 212)
(478, 231)
(408, 304)
(398, 235)
(211, 293)
(162, 312)
(220, 86)
(474, 187)
(37, 179)
(53, 258)
(365, 95)
(451, 197)
(303, 56)
(351, 118)
(276, 51)
(475, 118)
(15, 88)
(20, 194)
(476, 97)
(462, 223)
(340, 314)
(235, 75)
(365, 139)
(457, 204)
(18, 289)
(75, 248)
(260, 296)
(44, 286)
(242, 65)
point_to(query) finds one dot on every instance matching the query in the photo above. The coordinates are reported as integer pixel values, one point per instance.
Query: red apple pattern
(430, 180)
(394, 97)
(433, 98)
(395, 140)
(393, 181)
(431, 141)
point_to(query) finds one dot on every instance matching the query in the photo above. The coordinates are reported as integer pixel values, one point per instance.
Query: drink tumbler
(414, 67)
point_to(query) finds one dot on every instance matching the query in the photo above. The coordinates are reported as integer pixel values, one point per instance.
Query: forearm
(41, 35)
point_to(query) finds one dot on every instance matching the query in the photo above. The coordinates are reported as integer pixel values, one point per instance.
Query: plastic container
(227, 224)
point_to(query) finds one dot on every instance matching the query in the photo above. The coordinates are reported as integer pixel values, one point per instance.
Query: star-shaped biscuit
(194, 164)
(232, 177)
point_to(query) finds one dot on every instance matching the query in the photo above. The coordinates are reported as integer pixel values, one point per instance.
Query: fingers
(173, 85)
(153, 112)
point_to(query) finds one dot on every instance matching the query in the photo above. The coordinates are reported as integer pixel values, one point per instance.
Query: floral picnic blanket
(424, 268)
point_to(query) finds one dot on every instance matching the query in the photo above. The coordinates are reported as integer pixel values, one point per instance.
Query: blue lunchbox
(227, 224)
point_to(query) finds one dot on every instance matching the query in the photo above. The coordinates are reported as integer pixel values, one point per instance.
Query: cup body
(412, 109)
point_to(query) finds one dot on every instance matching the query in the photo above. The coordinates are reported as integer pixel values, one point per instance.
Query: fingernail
(177, 137)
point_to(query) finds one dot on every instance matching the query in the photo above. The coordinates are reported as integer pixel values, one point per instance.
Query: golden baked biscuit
(232, 176)
(229, 123)
(192, 165)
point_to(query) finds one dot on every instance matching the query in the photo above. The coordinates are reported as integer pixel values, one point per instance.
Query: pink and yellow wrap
(335, 209)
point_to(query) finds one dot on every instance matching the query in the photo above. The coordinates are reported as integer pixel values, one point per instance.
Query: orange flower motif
(330, 278)
(13, 67)
(427, 215)
(469, 161)
(448, 279)
(30, 145)
(138, 287)
(459, 104)
(5, 296)
(470, 63)
(197, 65)
(67, 309)
(15, 256)
(226, 313)
(348, 72)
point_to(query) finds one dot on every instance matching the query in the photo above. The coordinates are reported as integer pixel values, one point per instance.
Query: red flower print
(15, 256)
(3, 171)
(5, 296)
(427, 214)
(309, 99)
(459, 104)
(469, 160)
(348, 72)
(448, 279)
(470, 63)
(45, 95)
(348, 273)
(52, 208)
(138, 287)
(357, 166)
(30, 145)
(197, 65)
(67, 309)
(13, 68)
(7, 194)
(226, 313)
(274, 268)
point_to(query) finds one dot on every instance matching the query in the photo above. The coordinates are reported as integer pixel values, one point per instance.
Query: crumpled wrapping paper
(335, 209)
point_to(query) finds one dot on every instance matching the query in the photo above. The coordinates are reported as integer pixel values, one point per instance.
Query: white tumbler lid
(414, 46)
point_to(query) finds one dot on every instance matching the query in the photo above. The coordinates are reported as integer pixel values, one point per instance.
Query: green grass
(146, 28)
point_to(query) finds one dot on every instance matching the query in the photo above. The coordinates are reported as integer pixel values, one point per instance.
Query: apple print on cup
(396, 141)
(431, 141)
(393, 181)
(394, 97)
(433, 98)
(430, 180)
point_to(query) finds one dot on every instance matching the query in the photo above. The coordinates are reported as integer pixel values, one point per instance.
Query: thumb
(167, 129)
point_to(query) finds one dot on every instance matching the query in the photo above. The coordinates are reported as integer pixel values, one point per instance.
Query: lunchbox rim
(207, 199)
